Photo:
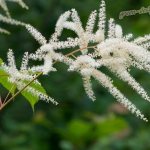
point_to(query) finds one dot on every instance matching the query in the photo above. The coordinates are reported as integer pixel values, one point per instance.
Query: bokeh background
(76, 123)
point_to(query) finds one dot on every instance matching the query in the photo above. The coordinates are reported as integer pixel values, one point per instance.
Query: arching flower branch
(99, 47)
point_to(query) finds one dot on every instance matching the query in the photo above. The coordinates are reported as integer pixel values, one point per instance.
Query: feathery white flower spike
(88, 87)
(20, 2)
(10, 21)
(47, 50)
(115, 51)
(3, 5)
(59, 26)
(120, 69)
(25, 61)
(102, 16)
(106, 82)
(4, 31)
(85, 36)
(141, 40)
(7, 18)
(91, 22)
(111, 29)
(36, 34)
(86, 66)
(18, 77)
(123, 74)
(34, 92)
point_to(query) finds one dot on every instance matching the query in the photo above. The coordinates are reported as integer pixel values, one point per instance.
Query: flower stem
(20, 91)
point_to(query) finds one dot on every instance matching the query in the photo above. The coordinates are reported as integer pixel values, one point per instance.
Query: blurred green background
(76, 123)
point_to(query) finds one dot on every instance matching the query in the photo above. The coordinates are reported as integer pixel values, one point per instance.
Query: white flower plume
(20, 77)
(111, 49)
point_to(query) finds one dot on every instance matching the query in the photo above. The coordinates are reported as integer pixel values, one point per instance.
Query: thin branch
(74, 56)
(81, 49)
(8, 94)
(20, 91)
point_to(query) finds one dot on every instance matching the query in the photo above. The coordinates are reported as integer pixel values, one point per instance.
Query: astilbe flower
(47, 51)
(118, 54)
(111, 49)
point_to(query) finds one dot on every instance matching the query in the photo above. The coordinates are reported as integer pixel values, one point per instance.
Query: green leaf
(4, 80)
(32, 99)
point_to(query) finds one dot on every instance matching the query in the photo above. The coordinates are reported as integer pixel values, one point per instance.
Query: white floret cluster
(97, 47)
